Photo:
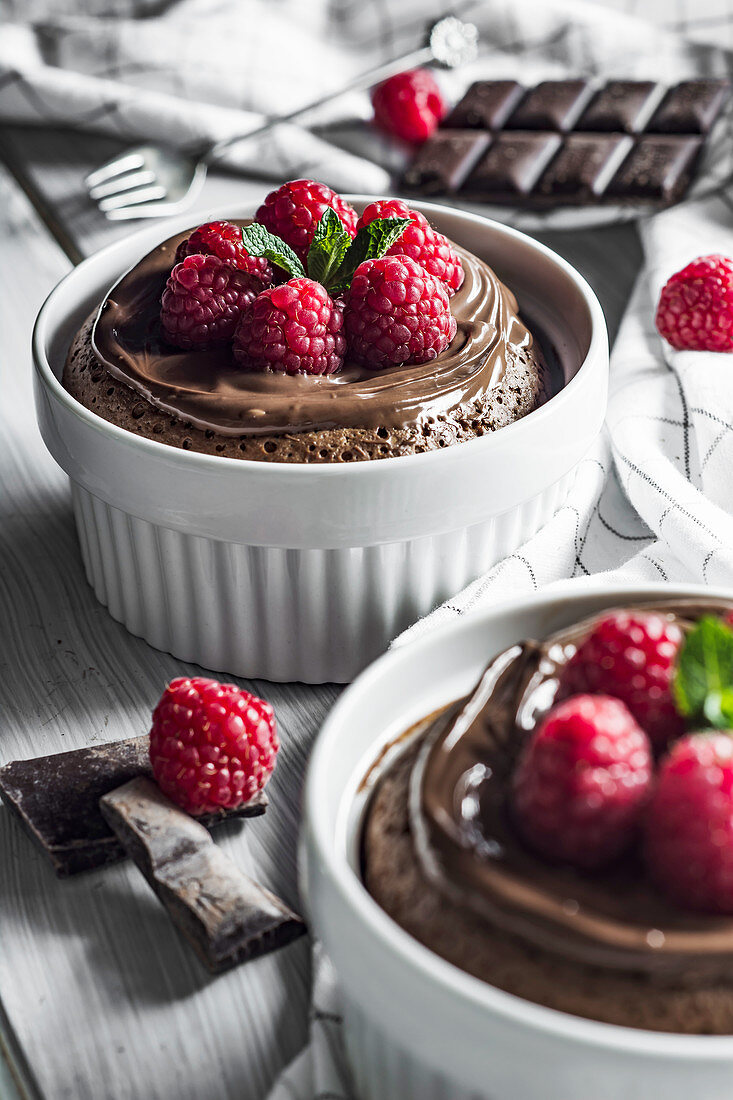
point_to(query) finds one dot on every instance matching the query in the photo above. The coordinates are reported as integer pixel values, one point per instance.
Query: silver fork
(152, 181)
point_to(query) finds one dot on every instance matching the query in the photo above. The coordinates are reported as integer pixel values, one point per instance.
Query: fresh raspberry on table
(420, 241)
(293, 211)
(224, 239)
(212, 745)
(409, 105)
(396, 313)
(695, 311)
(203, 301)
(582, 782)
(631, 655)
(689, 823)
(295, 327)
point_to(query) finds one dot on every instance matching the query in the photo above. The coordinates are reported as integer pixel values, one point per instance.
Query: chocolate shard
(622, 106)
(444, 161)
(512, 166)
(552, 105)
(486, 105)
(225, 916)
(658, 169)
(689, 108)
(56, 799)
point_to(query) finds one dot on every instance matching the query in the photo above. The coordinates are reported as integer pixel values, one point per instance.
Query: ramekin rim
(472, 991)
(598, 345)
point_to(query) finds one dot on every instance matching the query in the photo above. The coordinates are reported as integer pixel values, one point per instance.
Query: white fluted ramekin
(415, 1025)
(306, 572)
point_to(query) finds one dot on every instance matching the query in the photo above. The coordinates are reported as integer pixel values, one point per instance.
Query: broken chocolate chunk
(225, 916)
(57, 797)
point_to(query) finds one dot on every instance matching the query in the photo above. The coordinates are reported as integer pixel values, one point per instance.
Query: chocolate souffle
(442, 854)
(490, 375)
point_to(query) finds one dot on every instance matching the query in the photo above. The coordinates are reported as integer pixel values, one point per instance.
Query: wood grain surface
(99, 993)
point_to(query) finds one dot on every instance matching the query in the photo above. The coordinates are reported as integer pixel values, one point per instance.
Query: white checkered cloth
(190, 72)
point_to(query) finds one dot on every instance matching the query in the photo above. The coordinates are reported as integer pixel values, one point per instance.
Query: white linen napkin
(191, 72)
(652, 501)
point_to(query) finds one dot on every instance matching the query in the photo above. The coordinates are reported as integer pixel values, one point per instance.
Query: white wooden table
(99, 998)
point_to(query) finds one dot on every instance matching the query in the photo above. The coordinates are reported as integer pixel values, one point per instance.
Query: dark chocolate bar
(57, 800)
(225, 916)
(569, 142)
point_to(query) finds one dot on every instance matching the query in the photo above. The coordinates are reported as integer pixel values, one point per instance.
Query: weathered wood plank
(102, 997)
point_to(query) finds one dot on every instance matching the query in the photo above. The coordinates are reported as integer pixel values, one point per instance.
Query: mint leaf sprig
(333, 256)
(260, 242)
(703, 684)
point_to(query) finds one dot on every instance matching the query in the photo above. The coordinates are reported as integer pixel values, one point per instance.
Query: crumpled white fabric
(189, 72)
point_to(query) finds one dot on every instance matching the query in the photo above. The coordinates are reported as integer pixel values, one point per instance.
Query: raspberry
(212, 746)
(582, 782)
(203, 301)
(294, 210)
(396, 313)
(296, 328)
(631, 655)
(695, 310)
(419, 241)
(223, 239)
(409, 105)
(689, 824)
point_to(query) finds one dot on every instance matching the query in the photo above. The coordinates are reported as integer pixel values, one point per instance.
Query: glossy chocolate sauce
(468, 847)
(209, 390)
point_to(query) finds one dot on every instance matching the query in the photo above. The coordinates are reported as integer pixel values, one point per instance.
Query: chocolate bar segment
(486, 105)
(689, 108)
(444, 161)
(568, 142)
(225, 916)
(56, 799)
(552, 105)
(658, 169)
(622, 106)
(584, 167)
(512, 166)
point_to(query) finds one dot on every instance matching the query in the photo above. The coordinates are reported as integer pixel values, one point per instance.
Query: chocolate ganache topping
(467, 846)
(208, 389)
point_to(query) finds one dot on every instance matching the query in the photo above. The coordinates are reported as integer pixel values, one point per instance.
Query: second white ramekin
(306, 572)
(415, 1026)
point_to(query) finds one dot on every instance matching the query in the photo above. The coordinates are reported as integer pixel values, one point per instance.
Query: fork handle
(365, 80)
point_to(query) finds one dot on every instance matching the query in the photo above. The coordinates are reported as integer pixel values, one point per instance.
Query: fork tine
(131, 198)
(118, 184)
(115, 167)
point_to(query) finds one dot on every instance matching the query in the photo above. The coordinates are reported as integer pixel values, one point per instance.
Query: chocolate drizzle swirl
(209, 390)
(461, 820)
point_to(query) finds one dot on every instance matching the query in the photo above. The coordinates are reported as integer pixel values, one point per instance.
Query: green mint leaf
(260, 242)
(703, 685)
(327, 249)
(371, 243)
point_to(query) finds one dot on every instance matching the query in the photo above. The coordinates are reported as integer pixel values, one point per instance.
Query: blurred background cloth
(189, 72)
